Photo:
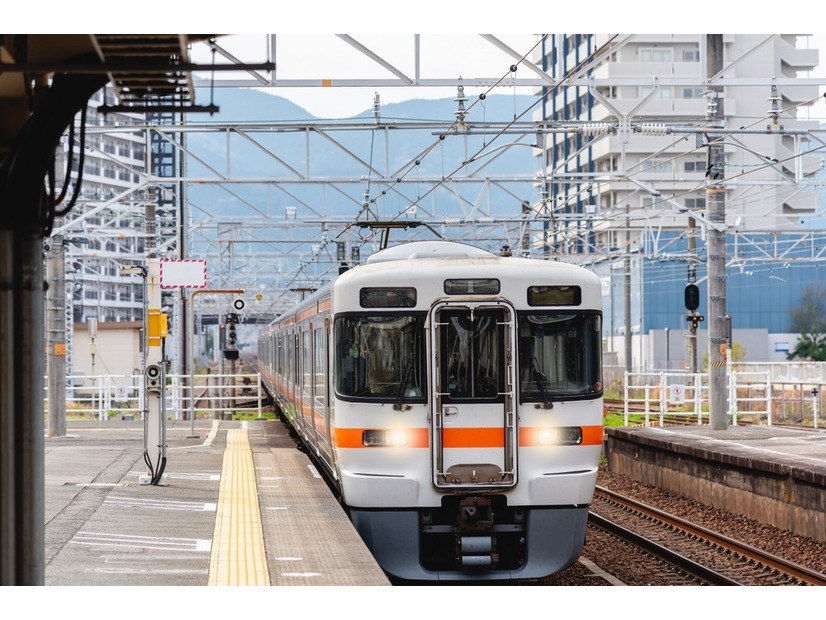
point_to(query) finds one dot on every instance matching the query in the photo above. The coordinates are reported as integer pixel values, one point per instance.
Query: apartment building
(116, 216)
(624, 188)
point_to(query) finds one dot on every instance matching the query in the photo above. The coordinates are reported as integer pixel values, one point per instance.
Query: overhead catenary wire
(586, 129)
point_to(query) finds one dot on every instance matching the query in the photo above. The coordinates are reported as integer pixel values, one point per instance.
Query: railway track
(698, 555)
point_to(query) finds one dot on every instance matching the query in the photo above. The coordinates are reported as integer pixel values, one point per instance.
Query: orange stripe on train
(466, 437)
(352, 437)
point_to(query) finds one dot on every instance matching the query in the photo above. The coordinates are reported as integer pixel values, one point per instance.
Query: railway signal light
(229, 342)
(695, 320)
(692, 297)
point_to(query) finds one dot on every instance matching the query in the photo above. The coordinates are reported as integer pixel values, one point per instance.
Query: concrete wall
(772, 492)
(117, 347)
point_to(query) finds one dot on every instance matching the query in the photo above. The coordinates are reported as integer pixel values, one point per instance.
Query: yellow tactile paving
(238, 557)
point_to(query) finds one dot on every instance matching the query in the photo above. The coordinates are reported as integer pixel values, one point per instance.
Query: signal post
(154, 425)
(238, 304)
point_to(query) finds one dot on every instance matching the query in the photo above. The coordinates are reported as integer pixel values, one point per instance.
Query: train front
(467, 410)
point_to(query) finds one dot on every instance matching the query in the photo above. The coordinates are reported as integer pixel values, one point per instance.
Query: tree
(809, 319)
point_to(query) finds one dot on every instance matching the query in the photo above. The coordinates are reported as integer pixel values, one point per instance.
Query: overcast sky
(316, 57)
(319, 56)
(455, 54)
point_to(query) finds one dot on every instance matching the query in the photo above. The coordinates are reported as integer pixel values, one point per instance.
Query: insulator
(652, 129)
(593, 129)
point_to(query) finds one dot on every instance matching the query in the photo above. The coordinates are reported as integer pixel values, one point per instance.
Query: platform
(239, 505)
(772, 474)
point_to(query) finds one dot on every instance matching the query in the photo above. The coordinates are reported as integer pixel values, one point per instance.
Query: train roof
(428, 249)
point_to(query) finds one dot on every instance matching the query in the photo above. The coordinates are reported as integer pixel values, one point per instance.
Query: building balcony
(797, 59)
(663, 108)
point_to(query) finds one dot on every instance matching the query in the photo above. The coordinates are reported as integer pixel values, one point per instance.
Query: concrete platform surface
(238, 505)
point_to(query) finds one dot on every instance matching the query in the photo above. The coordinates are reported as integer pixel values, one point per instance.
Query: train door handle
(450, 410)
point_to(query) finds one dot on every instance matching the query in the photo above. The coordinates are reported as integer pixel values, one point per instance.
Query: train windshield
(560, 356)
(380, 356)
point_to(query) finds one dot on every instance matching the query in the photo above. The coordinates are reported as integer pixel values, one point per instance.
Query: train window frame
(466, 374)
(587, 384)
(468, 286)
(535, 290)
(411, 376)
(383, 296)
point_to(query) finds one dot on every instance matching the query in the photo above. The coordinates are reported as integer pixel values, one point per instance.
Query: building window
(663, 92)
(609, 92)
(691, 55)
(694, 166)
(695, 203)
(657, 166)
(656, 54)
(692, 93)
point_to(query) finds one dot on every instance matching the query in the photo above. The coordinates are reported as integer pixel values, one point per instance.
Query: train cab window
(560, 356)
(554, 296)
(380, 357)
(387, 297)
(471, 345)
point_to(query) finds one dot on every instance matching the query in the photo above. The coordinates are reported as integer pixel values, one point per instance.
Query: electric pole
(56, 334)
(716, 208)
(626, 261)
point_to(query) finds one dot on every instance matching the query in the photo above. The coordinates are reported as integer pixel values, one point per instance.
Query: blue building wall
(762, 287)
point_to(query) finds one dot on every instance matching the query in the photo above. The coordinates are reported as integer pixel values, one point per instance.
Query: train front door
(473, 425)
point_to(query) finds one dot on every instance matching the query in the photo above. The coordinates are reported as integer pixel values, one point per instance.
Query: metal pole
(814, 406)
(627, 280)
(716, 207)
(8, 410)
(692, 256)
(56, 325)
(32, 465)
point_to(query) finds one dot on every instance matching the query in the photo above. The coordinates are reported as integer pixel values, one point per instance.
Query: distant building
(118, 213)
(625, 192)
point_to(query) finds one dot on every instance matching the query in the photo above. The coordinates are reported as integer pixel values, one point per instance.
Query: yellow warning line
(238, 557)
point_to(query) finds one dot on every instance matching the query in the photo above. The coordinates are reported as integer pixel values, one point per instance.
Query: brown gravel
(634, 568)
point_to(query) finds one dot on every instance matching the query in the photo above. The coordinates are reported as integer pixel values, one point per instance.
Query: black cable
(69, 161)
(157, 477)
(148, 462)
(80, 164)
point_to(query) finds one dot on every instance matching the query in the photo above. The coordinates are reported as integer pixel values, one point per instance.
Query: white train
(455, 398)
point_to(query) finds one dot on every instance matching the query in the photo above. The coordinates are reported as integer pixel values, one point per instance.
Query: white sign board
(121, 392)
(677, 394)
(183, 274)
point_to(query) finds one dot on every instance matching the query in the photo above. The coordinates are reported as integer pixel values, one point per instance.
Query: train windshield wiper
(540, 382)
(400, 405)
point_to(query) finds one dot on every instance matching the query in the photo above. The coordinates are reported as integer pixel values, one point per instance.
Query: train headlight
(564, 436)
(570, 435)
(546, 437)
(385, 438)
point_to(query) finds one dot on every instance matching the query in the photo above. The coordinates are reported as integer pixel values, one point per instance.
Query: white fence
(773, 391)
(210, 396)
(673, 394)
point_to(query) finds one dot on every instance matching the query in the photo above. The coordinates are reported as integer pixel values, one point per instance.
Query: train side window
(380, 357)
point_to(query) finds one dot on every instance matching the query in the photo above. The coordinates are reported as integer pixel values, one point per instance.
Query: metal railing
(210, 396)
(675, 394)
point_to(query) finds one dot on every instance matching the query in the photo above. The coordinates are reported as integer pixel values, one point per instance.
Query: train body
(454, 397)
